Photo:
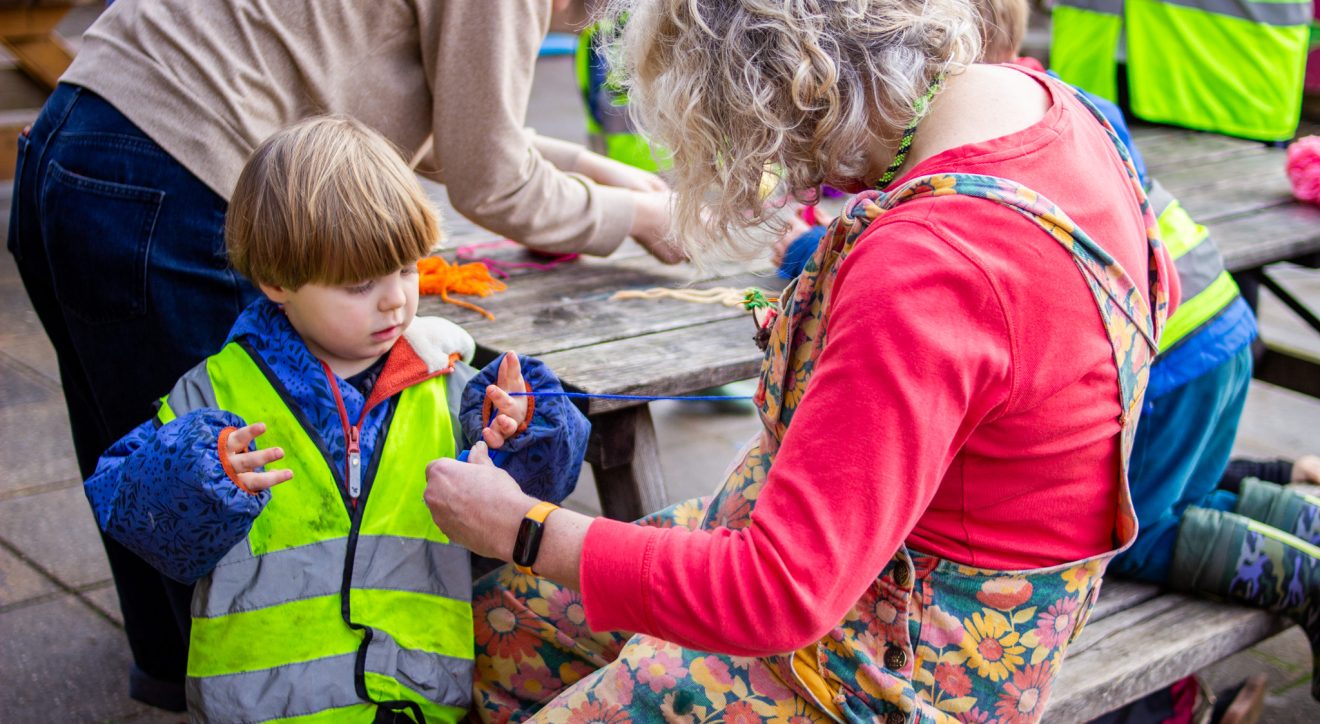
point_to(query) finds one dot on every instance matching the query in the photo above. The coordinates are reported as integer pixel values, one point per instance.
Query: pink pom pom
(1304, 168)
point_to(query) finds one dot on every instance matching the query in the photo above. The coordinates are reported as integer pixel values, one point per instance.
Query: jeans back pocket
(98, 236)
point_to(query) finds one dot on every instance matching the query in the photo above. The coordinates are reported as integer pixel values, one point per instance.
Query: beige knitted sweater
(210, 79)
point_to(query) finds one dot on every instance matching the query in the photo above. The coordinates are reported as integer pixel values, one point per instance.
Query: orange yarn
(440, 277)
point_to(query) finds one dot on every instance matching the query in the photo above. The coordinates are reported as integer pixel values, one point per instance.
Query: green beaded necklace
(905, 144)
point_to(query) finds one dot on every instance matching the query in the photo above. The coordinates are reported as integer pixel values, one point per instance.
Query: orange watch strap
(538, 513)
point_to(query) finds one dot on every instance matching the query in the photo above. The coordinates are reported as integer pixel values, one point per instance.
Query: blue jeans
(121, 250)
(1182, 447)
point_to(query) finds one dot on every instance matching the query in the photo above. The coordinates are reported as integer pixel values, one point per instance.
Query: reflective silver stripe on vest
(438, 569)
(312, 686)
(1107, 7)
(290, 690)
(1282, 14)
(1199, 268)
(1202, 264)
(193, 391)
(1159, 198)
(244, 583)
(452, 678)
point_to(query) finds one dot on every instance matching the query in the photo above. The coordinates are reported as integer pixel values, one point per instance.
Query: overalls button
(902, 576)
(894, 658)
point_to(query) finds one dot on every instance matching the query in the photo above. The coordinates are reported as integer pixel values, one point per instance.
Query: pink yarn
(1304, 168)
(500, 267)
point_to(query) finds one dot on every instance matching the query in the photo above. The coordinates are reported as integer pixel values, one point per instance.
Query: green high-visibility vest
(330, 611)
(1228, 66)
(1207, 287)
(609, 129)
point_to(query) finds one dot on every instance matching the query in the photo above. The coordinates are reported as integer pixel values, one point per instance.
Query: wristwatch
(528, 542)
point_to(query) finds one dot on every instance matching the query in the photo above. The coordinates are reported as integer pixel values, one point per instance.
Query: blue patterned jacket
(162, 492)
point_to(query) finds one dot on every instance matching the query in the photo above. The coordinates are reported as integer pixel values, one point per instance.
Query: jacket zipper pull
(354, 465)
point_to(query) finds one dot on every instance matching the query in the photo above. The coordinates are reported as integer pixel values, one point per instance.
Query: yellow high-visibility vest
(330, 611)
(1229, 66)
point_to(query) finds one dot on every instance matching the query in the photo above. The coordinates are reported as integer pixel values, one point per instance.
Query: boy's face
(350, 327)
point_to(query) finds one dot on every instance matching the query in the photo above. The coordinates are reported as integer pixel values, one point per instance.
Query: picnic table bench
(1140, 638)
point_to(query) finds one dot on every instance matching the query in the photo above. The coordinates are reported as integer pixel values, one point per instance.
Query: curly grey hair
(810, 90)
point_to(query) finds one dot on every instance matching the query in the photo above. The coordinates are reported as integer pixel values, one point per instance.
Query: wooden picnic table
(669, 347)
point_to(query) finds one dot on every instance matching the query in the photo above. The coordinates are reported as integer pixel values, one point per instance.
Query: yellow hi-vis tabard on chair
(334, 607)
(1228, 66)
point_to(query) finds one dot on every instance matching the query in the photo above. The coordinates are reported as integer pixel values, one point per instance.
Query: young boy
(332, 595)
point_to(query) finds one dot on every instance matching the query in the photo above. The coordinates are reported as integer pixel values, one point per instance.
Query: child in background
(334, 592)
(1258, 546)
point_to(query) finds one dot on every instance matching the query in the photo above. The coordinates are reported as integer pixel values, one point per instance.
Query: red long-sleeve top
(965, 404)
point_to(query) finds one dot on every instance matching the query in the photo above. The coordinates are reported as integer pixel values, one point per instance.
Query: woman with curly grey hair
(949, 393)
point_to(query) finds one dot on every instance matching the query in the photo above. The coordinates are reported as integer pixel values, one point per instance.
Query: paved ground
(65, 658)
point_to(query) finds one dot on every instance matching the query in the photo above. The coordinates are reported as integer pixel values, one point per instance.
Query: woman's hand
(608, 172)
(244, 467)
(650, 227)
(511, 411)
(476, 504)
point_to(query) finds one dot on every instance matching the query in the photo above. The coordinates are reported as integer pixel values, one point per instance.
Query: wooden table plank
(672, 362)
(1187, 149)
(587, 316)
(1225, 188)
(1274, 234)
(1117, 595)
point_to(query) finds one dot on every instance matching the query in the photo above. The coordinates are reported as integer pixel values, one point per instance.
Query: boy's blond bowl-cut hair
(1003, 26)
(327, 201)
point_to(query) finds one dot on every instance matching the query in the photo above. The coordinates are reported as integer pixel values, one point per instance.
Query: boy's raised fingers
(257, 482)
(504, 403)
(493, 439)
(505, 425)
(510, 374)
(252, 461)
(240, 439)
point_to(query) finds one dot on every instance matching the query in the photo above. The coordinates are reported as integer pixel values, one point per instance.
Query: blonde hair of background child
(1003, 26)
(327, 200)
(808, 87)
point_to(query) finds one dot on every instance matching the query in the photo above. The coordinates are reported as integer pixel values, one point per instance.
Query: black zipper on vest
(346, 585)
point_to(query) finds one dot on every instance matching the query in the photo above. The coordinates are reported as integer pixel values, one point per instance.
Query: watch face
(528, 542)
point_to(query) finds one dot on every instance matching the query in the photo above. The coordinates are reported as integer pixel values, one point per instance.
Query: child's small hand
(244, 467)
(795, 228)
(511, 411)
(1306, 469)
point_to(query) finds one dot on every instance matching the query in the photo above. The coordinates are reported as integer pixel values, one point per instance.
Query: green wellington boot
(1233, 557)
(1282, 508)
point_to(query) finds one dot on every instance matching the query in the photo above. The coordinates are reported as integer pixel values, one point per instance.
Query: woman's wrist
(561, 547)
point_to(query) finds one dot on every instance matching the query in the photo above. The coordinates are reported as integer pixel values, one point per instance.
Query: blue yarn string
(585, 395)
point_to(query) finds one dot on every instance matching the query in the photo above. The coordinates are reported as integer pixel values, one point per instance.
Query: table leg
(625, 459)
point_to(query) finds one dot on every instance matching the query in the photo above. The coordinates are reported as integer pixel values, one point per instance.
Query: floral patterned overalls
(930, 640)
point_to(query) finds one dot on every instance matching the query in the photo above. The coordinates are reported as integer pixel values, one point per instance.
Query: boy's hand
(244, 467)
(511, 412)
